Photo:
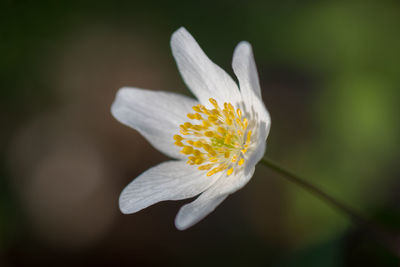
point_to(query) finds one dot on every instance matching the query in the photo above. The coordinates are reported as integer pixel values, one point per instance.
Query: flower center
(218, 142)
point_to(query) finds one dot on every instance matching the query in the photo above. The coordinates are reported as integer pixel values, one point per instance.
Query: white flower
(215, 140)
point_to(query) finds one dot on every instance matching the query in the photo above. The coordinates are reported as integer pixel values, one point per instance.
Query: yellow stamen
(196, 152)
(187, 150)
(196, 108)
(239, 113)
(212, 172)
(205, 167)
(245, 123)
(212, 118)
(209, 134)
(198, 161)
(198, 144)
(248, 137)
(214, 102)
(197, 116)
(228, 139)
(179, 143)
(213, 159)
(190, 142)
(178, 137)
(206, 124)
(187, 125)
(221, 130)
(183, 132)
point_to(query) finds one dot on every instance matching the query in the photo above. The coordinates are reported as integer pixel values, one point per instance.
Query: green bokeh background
(330, 77)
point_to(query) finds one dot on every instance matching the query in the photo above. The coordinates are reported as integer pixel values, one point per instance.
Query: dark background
(330, 77)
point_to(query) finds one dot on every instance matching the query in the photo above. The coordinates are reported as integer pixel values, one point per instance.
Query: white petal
(156, 115)
(203, 77)
(245, 69)
(258, 150)
(171, 180)
(262, 126)
(195, 211)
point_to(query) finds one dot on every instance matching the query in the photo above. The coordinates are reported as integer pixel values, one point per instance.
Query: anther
(196, 108)
(187, 125)
(178, 137)
(213, 102)
(209, 134)
(187, 150)
(239, 113)
(198, 144)
(197, 116)
(179, 143)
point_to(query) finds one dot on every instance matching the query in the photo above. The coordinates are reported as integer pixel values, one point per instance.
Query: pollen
(216, 140)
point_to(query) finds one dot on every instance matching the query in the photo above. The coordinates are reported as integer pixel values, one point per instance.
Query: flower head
(215, 140)
(219, 142)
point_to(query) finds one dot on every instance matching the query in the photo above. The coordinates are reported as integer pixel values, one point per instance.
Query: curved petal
(245, 69)
(192, 213)
(155, 115)
(258, 150)
(203, 77)
(171, 180)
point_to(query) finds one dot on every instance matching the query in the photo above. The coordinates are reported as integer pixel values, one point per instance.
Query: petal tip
(179, 33)
(126, 205)
(123, 207)
(242, 48)
(124, 211)
(115, 110)
(180, 29)
(121, 94)
(244, 45)
(180, 224)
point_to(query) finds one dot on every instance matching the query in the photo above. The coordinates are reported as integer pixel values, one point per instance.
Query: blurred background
(330, 77)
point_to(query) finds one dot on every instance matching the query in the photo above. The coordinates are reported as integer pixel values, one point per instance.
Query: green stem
(357, 218)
